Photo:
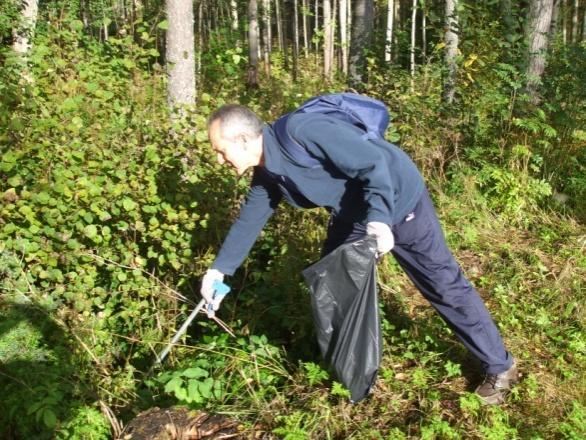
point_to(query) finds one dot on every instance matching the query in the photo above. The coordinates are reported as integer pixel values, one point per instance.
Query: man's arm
(342, 145)
(261, 201)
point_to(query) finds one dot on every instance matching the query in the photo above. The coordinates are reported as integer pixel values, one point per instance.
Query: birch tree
(266, 21)
(23, 33)
(413, 29)
(305, 10)
(538, 23)
(234, 15)
(362, 21)
(279, 25)
(180, 53)
(253, 44)
(451, 42)
(343, 14)
(327, 13)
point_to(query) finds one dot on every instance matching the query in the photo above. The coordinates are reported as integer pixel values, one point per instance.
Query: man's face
(228, 150)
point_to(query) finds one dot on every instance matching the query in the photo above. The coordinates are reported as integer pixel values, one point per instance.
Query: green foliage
(105, 205)
(87, 423)
(574, 427)
(315, 374)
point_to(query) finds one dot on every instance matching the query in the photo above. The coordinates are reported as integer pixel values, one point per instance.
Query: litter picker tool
(220, 290)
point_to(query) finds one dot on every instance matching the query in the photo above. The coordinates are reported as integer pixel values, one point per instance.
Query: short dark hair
(239, 118)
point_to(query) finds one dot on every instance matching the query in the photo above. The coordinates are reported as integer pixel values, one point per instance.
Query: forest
(113, 206)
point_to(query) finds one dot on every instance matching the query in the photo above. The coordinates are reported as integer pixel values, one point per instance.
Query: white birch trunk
(451, 41)
(564, 22)
(23, 35)
(538, 24)
(279, 25)
(296, 34)
(327, 39)
(344, 34)
(316, 25)
(234, 14)
(413, 29)
(266, 21)
(389, 34)
(423, 33)
(180, 53)
(253, 44)
(305, 37)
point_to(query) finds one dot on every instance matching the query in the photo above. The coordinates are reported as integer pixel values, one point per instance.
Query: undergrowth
(110, 214)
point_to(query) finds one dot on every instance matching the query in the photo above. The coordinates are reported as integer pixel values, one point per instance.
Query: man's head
(235, 133)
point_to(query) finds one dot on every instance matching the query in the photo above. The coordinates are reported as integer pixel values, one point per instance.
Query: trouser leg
(421, 251)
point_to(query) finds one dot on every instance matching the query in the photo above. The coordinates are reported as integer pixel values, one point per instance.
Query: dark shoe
(495, 387)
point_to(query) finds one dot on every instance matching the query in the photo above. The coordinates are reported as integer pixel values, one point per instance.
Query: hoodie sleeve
(342, 145)
(259, 205)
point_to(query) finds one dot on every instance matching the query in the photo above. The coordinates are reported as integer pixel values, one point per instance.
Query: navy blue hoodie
(357, 181)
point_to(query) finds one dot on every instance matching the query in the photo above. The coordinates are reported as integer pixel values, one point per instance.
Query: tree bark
(316, 25)
(305, 37)
(451, 41)
(362, 22)
(234, 15)
(575, 21)
(413, 29)
(253, 44)
(389, 34)
(279, 25)
(538, 24)
(423, 31)
(327, 13)
(180, 54)
(266, 21)
(24, 33)
(555, 15)
(344, 34)
(295, 38)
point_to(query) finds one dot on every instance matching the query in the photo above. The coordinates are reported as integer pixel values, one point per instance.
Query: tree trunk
(539, 20)
(279, 25)
(295, 38)
(316, 26)
(413, 29)
(344, 34)
(24, 33)
(575, 21)
(253, 44)
(180, 56)
(555, 15)
(451, 41)
(327, 40)
(362, 21)
(564, 23)
(305, 37)
(266, 21)
(423, 31)
(234, 14)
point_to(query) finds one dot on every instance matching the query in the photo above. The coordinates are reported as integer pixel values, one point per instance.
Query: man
(369, 187)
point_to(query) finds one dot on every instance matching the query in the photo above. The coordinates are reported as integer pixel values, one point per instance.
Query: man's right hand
(207, 285)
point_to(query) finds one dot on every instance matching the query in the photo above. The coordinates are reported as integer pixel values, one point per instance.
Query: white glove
(384, 237)
(207, 289)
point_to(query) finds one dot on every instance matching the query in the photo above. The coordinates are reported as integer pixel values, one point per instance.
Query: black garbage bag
(345, 313)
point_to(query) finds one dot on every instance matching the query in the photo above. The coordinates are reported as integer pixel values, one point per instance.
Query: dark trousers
(421, 250)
